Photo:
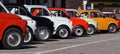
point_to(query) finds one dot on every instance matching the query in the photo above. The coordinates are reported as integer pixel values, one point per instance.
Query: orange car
(80, 26)
(12, 30)
(104, 24)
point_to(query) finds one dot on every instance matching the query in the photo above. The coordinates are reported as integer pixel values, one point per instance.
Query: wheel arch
(63, 25)
(91, 25)
(12, 26)
(30, 28)
(82, 27)
(112, 24)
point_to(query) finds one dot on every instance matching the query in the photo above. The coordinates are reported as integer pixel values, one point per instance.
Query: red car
(12, 30)
(112, 15)
(80, 26)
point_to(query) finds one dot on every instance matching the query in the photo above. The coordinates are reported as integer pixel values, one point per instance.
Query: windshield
(39, 12)
(17, 10)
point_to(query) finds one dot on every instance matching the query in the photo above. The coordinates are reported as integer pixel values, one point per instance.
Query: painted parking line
(63, 48)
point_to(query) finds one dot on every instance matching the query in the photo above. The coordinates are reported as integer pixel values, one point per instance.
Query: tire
(29, 36)
(112, 28)
(12, 38)
(78, 31)
(119, 30)
(63, 32)
(43, 33)
(91, 30)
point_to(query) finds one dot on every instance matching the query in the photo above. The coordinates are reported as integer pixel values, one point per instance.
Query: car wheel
(119, 30)
(91, 30)
(29, 36)
(112, 28)
(43, 33)
(12, 38)
(63, 32)
(78, 31)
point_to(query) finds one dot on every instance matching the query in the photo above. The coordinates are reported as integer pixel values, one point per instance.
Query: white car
(31, 24)
(92, 24)
(31, 28)
(62, 26)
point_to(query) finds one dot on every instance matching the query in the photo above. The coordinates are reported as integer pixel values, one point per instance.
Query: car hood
(87, 19)
(24, 17)
(54, 18)
(9, 16)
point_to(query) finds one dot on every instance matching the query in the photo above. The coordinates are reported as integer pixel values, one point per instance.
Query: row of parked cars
(22, 23)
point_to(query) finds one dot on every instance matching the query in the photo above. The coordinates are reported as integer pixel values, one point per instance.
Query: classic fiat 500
(104, 24)
(114, 16)
(12, 30)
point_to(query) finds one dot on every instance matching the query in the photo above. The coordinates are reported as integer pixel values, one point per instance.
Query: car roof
(108, 12)
(70, 9)
(36, 6)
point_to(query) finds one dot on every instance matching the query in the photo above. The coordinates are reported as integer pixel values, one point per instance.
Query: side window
(63, 14)
(2, 9)
(22, 11)
(54, 13)
(59, 13)
(45, 13)
(99, 14)
(71, 13)
(95, 15)
(84, 14)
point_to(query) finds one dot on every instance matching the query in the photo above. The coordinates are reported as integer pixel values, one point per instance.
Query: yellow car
(104, 24)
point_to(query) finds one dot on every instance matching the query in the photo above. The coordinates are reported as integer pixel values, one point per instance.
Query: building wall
(58, 3)
(69, 3)
(74, 3)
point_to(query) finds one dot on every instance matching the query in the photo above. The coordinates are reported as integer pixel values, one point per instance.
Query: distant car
(12, 30)
(80, 26)
(44, 26)
(104, 24)
(92, 23)
(112, 15)
(62, 26)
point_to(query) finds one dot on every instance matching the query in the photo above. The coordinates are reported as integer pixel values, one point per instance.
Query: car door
(102, 22)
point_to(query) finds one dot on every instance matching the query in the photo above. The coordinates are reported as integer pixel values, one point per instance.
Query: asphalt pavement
(100, 43)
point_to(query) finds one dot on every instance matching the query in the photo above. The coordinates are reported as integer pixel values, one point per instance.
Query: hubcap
(43, 34)
(63, 32)
(28, 37)
(112, 28)
(90, 30)
(13, 39)
(79, 31)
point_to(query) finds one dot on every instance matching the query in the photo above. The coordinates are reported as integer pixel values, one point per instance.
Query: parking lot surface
(93, 44)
